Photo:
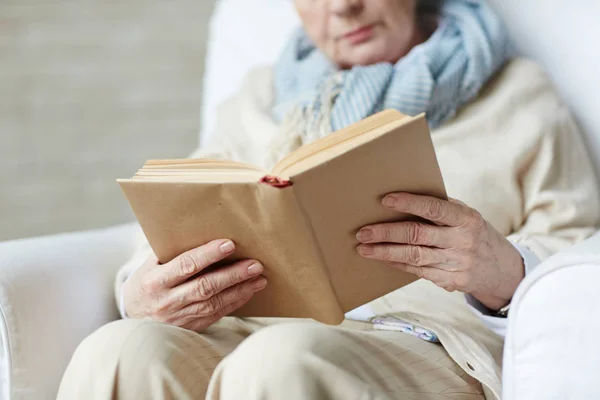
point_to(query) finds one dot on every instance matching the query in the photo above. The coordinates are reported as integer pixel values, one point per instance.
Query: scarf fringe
(305, 124)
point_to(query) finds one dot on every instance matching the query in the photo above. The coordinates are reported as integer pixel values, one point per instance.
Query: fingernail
(258, 284)
(227, 247)
(255, 269)
(366, 250)
(364, 235)
(390, 201)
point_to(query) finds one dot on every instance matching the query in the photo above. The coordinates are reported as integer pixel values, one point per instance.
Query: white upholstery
(552, 349)
(242, 35)
(55, 290)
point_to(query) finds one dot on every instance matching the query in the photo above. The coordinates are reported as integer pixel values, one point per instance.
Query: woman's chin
(363, 60)
(365, 54)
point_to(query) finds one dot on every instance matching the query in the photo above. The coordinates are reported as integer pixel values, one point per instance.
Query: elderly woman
(508, 149)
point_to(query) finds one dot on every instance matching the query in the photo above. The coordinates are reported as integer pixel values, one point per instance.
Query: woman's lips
(359, 35)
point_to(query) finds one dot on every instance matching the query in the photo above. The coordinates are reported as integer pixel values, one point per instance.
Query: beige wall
(88, 91)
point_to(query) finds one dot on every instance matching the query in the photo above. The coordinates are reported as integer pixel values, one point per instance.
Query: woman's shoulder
(524, 71)
(521, 85)
(520, 94)
(519, 107)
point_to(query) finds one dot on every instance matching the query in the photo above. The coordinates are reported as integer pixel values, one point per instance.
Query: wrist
(511, 274)
(491, 302)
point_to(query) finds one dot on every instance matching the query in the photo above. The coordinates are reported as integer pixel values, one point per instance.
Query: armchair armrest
(54, 291)
(551, 349)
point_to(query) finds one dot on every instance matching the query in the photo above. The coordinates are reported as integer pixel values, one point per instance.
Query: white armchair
(552, 350)
(56, 290)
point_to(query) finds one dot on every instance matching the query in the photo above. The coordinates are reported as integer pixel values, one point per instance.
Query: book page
(197, 170)
(198, 163)
(335, 143)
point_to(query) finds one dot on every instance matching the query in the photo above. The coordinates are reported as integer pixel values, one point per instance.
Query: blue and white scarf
(313, 97)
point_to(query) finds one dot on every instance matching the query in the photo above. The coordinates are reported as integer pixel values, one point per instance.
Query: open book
(300, 219)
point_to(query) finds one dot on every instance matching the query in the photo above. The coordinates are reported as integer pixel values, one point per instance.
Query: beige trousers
(261, 359)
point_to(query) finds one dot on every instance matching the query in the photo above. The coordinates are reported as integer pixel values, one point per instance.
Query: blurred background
(89, 91)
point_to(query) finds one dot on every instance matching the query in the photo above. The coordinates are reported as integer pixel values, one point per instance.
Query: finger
(210, 284)
(229, 296)
(439, 211)
(194, 261)
(412, 255)
(414, 233)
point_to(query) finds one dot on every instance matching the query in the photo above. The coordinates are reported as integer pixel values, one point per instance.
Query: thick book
(301, 218)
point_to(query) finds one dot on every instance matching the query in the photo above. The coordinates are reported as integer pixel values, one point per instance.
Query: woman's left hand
(459, 251)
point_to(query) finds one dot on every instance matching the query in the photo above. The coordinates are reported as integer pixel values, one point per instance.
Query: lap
(390, 361)
(137, 334)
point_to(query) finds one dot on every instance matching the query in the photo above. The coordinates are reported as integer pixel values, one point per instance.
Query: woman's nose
(345, 7)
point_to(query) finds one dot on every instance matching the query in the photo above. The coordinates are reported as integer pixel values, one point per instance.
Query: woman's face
(361, 32)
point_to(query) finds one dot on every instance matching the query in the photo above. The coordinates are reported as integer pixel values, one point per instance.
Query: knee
(119, 342)
(282, 353)
(120, 352)
(280, 341)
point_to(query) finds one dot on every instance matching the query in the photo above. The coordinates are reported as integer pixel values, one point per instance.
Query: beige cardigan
(515, 155)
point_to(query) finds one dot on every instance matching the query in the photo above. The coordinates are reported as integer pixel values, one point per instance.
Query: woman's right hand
(173, 293)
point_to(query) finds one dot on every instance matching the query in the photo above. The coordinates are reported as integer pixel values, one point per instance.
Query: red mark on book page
(276, 181)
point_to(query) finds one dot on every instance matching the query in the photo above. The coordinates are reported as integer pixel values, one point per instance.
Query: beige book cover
(300, 219)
